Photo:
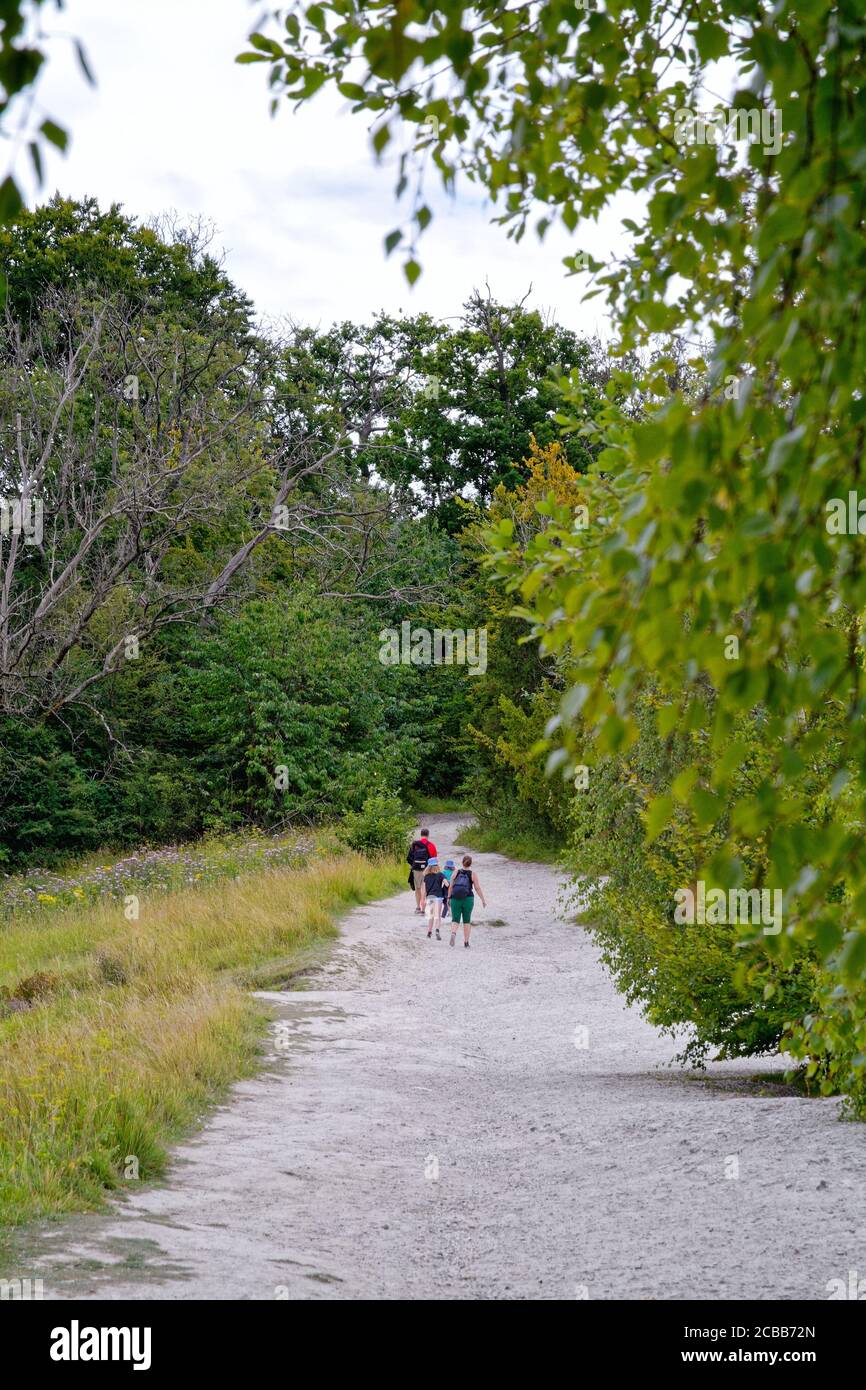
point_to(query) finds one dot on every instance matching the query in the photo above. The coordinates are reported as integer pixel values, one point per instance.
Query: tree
(196, 558)
(489, 388)
(440, 411)
(144, 456)
(509, 710)
(115, 460)
(165, 267)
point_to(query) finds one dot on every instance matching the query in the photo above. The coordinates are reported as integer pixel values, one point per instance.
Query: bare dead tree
(138, 440)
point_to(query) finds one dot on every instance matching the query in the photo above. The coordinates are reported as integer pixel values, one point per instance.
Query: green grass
(437, 805)
(136, 1028)
(514, 844)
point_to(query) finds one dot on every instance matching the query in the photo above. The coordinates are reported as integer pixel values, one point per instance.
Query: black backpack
(418, 854)
(462, 885)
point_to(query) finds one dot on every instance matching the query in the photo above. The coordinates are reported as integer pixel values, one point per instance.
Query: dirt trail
(432, 1130)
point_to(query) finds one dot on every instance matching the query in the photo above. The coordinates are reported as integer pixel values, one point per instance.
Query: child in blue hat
(435, 891)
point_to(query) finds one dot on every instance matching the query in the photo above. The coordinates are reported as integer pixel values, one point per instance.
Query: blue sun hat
(433, 863)
(449, 863)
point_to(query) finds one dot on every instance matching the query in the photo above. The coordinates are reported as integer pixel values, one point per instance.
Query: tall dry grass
(134, 1028)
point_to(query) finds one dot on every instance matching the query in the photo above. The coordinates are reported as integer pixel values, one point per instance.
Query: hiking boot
(451, 942)
(438, 937)
(466, 944)
(429, 934)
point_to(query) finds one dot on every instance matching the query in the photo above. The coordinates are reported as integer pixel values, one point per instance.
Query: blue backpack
(461, 886)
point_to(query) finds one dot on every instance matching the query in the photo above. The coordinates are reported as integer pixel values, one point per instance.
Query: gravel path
(491, 1123)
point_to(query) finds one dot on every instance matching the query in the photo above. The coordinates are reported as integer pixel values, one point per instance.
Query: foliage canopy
(711, 576)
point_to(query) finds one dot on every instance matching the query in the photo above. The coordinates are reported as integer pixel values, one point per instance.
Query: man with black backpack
(420, 852)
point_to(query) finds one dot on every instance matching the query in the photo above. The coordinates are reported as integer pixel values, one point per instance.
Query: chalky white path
(560, 1168)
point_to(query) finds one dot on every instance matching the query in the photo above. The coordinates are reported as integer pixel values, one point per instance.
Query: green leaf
(84, 63)
(55, 134)
(683, 783)
(852, 957)
(36, 157)
(782, 449)
(556, 759)
(266, 45)
(10, 200)
(667, 718)
(706, 806)
(657, 816)
(712, 41)
(381, 136)
(459, 48)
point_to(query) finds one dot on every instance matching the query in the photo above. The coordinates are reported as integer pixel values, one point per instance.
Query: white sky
(299, 205)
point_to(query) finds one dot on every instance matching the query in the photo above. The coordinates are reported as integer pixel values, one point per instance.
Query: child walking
(435, 890)
(448, 871)
(464, 886)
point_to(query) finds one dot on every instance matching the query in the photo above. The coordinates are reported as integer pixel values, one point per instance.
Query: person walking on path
(448, 871)
(421, 851)
(464, 886)
(435, 890)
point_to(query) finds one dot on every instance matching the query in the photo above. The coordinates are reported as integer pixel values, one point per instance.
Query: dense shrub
(383, 825)
(726, 983)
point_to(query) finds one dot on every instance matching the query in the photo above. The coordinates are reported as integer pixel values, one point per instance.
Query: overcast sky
(299, 206)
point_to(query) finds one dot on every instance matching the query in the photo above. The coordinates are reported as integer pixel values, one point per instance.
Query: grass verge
(515, 844)
(437, 805)
(118, 1035)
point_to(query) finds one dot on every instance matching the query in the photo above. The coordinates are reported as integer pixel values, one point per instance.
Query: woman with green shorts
(464, 886)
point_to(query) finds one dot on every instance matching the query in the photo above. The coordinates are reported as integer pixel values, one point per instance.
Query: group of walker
(439, 889)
